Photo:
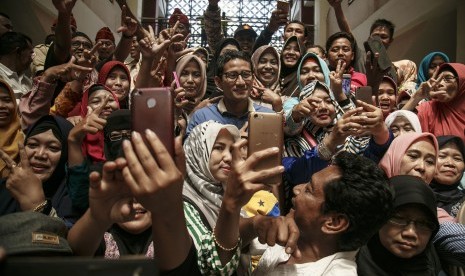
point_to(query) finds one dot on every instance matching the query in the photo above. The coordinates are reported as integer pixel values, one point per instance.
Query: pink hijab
(390, 163)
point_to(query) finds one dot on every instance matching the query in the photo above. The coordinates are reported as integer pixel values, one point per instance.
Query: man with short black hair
(403, 72)
(246, 36)
(5, 23)
(337, 212)
(15, 58)
(234, 76)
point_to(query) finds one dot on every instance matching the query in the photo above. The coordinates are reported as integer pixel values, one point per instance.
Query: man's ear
(335, 223)
(219, 82)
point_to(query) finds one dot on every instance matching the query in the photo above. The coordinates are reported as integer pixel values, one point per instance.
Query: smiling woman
(41, 173)
(445, 113)
(10, 127)
(449, 172)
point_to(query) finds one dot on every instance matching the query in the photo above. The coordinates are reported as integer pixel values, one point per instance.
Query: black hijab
(449, 197)
(375, 259)
(60, 128)
(288, 75)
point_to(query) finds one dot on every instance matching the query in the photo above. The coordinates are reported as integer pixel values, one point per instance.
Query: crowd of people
(368, 187)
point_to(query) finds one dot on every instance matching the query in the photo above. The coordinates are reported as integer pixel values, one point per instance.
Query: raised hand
(128, 24)
(427, 88)
(278, 18)
(64, 6)
(91, 124)
(244, 180)
(66, 72)
(155, 179)
(110, 200)
(22, 183)
(88, 58)
(336, 78)
(348, 124)
(305, 108)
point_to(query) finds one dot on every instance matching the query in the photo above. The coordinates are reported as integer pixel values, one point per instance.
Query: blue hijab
(424, 66)
(321, 63)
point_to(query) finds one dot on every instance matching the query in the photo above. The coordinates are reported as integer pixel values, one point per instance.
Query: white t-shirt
(340, 263)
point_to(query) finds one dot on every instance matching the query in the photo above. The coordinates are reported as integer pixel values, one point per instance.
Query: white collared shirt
(20, 84)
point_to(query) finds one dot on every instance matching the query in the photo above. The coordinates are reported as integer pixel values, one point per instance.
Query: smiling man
(235, 78)
(337, 212)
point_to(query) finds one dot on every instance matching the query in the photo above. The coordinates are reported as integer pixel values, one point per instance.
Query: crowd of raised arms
(366, 187)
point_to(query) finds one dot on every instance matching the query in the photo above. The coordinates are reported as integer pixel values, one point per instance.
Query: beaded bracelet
(224, 248)
(40, 207)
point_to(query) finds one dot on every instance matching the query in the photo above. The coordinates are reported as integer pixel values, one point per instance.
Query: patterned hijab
(200, 186)
(390, 163)
(11, 134)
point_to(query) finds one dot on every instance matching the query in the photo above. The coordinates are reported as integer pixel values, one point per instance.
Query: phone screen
(346, 80)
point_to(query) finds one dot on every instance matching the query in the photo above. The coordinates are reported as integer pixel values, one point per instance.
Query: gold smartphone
(266, 131)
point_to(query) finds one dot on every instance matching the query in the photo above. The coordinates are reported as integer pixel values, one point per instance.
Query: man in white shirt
(15, 57)
(336, 213)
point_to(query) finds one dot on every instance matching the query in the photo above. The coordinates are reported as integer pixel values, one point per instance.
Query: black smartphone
(153, 108)
(364, 94)
(375, 45)
(266, 131)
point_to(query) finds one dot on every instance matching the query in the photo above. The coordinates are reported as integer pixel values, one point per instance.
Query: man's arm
(450, 243)
(62, 31)
(340, 16)
(212, 21)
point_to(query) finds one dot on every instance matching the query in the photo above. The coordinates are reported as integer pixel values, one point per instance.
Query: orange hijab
(10, 135)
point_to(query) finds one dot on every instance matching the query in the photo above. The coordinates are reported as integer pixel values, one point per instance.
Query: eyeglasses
(449, 79)
(232, 76)
(424, 226)
(77, 44)
(119, 135)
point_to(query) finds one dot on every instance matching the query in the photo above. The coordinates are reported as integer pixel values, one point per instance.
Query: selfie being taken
(232, 137)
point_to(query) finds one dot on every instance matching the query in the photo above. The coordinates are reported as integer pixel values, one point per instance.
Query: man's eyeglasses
(449, 79)
(232, 76)
(425, 226)
(77, 44)
(119, 135)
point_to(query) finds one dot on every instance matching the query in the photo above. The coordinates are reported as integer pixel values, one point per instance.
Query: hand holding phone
(266, 131)
(364, 94)
(283, 5)
(346, 81)
(152, 108)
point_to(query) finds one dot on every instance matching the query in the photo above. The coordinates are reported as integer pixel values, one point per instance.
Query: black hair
(338, 35)
(228, 56)
(81, 34)
(363, 194)
(4, 15)
(9, 41)
(298, 22)
(308, 46)
(383, 23)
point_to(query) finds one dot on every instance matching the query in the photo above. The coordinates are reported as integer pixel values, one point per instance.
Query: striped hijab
(312, 135)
